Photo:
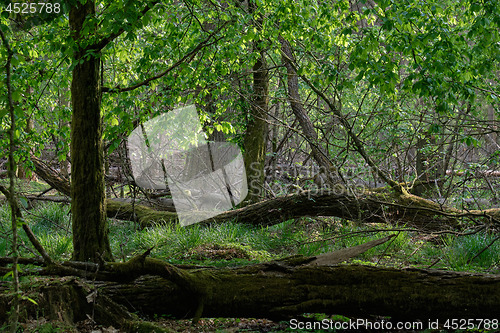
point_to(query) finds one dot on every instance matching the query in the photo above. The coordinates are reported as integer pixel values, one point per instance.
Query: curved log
(366, 206)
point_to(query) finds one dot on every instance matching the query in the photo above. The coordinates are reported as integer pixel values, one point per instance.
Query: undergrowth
(232, 243)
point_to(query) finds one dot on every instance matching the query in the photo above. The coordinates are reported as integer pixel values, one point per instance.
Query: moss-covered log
(277, 290)
(71, 300)
(280, 290)
(366, 206)
(142, 214)
(296, 285)
(404, 209)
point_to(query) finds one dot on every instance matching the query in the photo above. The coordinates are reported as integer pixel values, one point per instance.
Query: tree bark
(277, 290)
(370, 207)
(88, 207)
(318, 153)
(23, 170)
(256, 134)
(50, 176)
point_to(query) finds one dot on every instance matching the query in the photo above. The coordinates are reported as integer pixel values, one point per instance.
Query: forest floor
(205, 325)
(235, 244)
(181, 325)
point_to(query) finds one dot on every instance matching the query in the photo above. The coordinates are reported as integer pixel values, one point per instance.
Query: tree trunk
(427, 165)
(23, 171)
(256, 135)
(44, 171)
(276, 290)
(318, 153)
(90, 239)
(64, 101)
(370, 207)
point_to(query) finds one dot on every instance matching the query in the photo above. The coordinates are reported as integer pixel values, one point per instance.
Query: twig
(443, 232)
(434, 263)
(480, 252)
(14, 317)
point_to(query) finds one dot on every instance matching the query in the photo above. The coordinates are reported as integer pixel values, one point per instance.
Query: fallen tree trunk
(52, 178)
(276, 290)
(477, 173)
(367, 206)
(77, 294)
(290, 287)
(279, 291)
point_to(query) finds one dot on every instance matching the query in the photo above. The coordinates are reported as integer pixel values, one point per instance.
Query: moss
(146, 327)
(140, 213)
(227, 251)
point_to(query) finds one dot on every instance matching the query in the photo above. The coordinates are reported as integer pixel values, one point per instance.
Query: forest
(249, 166)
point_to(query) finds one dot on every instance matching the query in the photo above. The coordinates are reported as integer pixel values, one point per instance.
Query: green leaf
(29, 299)
(15, 60)
(24, 202)
(434, 128)
(470, 141)
(20, 222)
(16, 95)
(3, 112)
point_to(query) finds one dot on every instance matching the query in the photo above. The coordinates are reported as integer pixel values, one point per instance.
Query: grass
(468, 252)
(26, 186)
(177, 244)
(231, 243)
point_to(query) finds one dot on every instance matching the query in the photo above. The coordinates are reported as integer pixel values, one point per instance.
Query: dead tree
(339, 201)
(280, 289)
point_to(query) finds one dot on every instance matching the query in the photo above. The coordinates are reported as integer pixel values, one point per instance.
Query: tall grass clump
(464, 252)
(50, 217)
(51, 223)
